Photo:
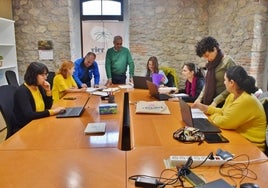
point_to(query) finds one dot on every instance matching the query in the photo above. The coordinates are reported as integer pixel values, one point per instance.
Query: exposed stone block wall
(170, 29)
(41, 20)
(167, 29)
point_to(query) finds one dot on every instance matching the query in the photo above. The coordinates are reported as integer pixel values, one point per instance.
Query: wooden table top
(55, 152)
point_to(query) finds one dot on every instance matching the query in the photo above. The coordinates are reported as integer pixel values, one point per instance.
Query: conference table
(55, 152)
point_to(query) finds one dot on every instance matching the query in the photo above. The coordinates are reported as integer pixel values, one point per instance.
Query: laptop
(200, 123)
(72, 111)
(153, 90)
(140, 82)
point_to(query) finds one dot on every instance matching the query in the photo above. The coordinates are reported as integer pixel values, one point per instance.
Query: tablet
(215, 138)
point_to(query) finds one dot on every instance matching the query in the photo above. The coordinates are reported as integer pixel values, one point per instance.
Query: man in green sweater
(118, 58)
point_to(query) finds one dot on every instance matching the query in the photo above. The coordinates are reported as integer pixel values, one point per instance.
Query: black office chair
(50, 78)
(264, 100)
(11, 78)
(6, 108)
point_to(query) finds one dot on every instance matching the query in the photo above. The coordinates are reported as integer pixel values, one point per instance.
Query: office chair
(11, 78)
(6, 108)
(171, 75)
(50, 78)
(263, 98)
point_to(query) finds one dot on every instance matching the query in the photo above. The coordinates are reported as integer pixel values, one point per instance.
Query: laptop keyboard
(204, 125)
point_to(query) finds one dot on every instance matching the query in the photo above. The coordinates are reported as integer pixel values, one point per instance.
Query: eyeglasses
(44, 74)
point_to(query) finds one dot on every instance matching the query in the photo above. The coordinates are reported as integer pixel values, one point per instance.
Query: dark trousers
(119, 79)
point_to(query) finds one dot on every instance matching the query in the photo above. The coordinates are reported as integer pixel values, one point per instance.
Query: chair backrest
(264, 100)
(6, 108)
(171, 74)
(50, 78)
(11, 78)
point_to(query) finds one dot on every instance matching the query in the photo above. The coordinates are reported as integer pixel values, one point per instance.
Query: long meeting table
(55, 152)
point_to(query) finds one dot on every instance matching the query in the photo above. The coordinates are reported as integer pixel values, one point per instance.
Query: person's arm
(164, 79)
(96, 74)
(231, 118)
(77, 69)
(108, 64)
(131, 65)
(25, 105)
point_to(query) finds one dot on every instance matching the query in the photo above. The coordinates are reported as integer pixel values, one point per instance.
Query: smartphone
(192, 178)
(69, 98)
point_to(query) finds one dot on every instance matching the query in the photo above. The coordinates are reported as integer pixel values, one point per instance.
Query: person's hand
(46, 86)
(96, 86)
(201, 106)
(84, 85)
(83, 89)
(213, 104)
(108, 83)
(57, 110)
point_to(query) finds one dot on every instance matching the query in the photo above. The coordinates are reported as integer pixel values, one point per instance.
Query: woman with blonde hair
(63, 82)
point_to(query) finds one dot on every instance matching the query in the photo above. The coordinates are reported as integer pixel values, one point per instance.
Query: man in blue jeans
(84, 69)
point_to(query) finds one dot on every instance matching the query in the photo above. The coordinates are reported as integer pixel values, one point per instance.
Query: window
(101, 9)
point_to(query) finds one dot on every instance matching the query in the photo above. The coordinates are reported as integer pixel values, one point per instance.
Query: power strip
(181, 160)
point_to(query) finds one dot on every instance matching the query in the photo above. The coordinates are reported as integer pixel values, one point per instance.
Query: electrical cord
(237, 170)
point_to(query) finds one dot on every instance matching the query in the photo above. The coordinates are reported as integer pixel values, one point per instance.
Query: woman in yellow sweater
(242, 111)
(63, 82)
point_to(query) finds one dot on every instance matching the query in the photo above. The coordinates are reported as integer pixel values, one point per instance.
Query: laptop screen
(186, 113)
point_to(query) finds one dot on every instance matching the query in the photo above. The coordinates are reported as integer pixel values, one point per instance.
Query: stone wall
(167, 29)
(41, 20)
(171, 29)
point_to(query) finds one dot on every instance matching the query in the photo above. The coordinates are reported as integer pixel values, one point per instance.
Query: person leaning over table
(194, 82)
(63, 81)
(242, 111)
(117, 59)
(85, 69)
(153, 67)
(33, 99)
(214, 91)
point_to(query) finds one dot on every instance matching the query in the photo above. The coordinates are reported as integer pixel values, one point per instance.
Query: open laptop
(200, 123)
(140, 82)
(153, 90)
(72, 111)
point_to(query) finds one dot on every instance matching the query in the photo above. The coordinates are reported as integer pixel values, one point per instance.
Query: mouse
(62, 111)
(249, 185)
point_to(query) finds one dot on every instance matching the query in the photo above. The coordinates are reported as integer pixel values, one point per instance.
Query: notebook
(200, 123)
(153, 90)
(95, 128)
(72, 111)
(220, 183)
(140, 82)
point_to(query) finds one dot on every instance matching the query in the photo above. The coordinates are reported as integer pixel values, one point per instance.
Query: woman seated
(154, 72)
(194, 81)
(33, 99)
(242, 111)
(63, 81)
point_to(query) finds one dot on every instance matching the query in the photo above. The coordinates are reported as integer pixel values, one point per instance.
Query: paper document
(100, 93)
(126, 86)
(197, 113)
(92, 89)
(179, 95)
(152, 107)
(111, 89)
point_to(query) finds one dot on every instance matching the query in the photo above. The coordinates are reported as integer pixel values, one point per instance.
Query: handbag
(189, 134)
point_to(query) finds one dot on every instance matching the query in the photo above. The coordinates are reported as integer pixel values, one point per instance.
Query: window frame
(102, 17)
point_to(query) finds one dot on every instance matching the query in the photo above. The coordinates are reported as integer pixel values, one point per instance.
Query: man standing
(118, 58)
(85, 69)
